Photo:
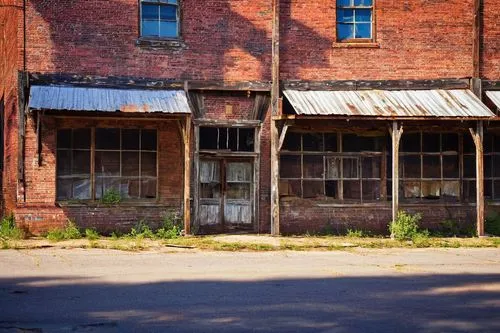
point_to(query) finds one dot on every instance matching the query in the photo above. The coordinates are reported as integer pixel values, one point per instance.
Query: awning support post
(186, 138)
(478, 136)
(396, 133)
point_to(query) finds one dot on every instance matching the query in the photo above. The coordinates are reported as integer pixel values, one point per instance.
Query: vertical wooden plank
(477, 136)
(187, 175)
(196, 202)
(92, 163)
(256, 181)
(396, 138)
(275, 214)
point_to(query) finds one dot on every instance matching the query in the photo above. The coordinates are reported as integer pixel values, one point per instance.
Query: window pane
(450, 142)
(81, 162)
(130, 164)
(371, 167)
(150, 12)
(81, 189)
(210, 190)
(313, 167)
(363, 2)
(364, 15)
(239, 172)
(410, 189)
(168, 13)
(345, 31)
(488, 143)
(106, 184)
(341, 3)
(431, 189)
(168, 29)
(411, 167)
(410, 143)
(431, 143)
(469, 166)
(148, 188)
(130, 139)
(290, 188)
(290, 166)
(469, 188)
(247, 137)
(107, 138)
(331, 189)
(238, 191)
(107, 163)
(432, 167)
(496, 166)
(345, 15)
(81, 138)
(487, 166)
(371, 189)
(333, 167)
(208, 138)
(292, 142)
(312, 142)
(63, 162)
(350, 168)
(451, 167)
(331, 142)
(148, 164)
(451, 190)
(352, 189)
(233, 139)
(469, 146)
(488, 189)
(148, 140)
(129, 188)
(64, 189)
(496, 189)
(363, 30)
(150, 28)
(64, 138)
(313, 188)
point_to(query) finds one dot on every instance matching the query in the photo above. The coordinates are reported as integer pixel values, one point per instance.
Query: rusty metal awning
(495, 97)
(389, 103)
(107, 100)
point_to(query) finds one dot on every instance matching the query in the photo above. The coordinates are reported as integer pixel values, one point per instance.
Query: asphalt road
(396, 290)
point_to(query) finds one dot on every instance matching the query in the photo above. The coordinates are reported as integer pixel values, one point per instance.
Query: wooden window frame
(93, 173)
(362, 41)
(158, 3)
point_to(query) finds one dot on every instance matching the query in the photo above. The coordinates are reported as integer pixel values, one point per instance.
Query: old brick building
(260, 116)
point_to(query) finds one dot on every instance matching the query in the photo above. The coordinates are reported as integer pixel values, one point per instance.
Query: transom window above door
(355, 20)
(160, 18)
(233, 139)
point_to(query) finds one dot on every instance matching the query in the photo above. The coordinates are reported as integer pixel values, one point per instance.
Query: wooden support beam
(283, 135)
(396, 133)
(186, 129)
(377, 84)
(477, 136)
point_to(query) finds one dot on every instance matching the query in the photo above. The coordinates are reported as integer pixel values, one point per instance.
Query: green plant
(406, 226)
(111, 197)
(70, 231)
(9, 230)
(354, 233)
(141, 230)
(170, 228)
(92, 234)
(492, 224)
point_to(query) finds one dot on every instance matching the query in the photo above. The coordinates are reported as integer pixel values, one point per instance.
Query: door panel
(210, 193)
(238, 194)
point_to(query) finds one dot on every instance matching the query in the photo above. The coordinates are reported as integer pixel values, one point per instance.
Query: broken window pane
(431, 189)
(451, 190)
(432, 167)
(232, 142)
(351, 143)
(290, 188)
(129, 188)
(410, 189)
(431, 143)
(350, 168)
(352, 190)
(313, 167)
(148, 188)
(107, 138)
(208, 138)
(209, 190)
(410, 167)
(488, 143)
(469, 146)
(292, 142)
(290, 166)
(313, 188)
(333, 167)
(312, 142)
(410, 143)
(81, 189)
(247, 139)
(449, 142)
(371, 189)
(331, 142)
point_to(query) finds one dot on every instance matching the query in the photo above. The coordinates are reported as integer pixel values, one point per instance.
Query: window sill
(96, 204)
(366, 45)
(158, 43)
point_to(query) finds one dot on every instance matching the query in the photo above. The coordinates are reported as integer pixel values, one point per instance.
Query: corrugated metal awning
(389, 103)
(495, 97)
(107, 100)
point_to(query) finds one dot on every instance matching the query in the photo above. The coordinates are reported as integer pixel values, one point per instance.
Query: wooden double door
(226, 195)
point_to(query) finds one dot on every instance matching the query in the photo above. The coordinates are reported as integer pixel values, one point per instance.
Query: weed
(354, 233)
(492, 224)
(141, 231)
(66, 233)
(92, 234)
(170, 228)
(9, 230)
(111, 197)
(406, 226)
(421, 239)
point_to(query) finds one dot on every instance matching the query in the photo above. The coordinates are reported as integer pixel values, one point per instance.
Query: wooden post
(186, 138)
(396, 134)
(477, 136)
(275, 200)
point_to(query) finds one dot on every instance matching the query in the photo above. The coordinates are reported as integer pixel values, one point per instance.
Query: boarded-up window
(125, 160)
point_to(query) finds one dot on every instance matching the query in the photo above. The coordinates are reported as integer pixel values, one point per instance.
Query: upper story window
(355, 20)
(160, 18)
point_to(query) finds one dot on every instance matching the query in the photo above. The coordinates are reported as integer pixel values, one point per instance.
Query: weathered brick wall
(316, 219)
(417, 40)
(228, 106)
(224, 40)
(490, 66)
(40, 212)
(10, 63)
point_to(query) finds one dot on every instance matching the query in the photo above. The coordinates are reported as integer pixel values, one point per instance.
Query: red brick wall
(228, 106)
(490, 67)
(225, 40)
(10, 63)
(418, 40)
(40, 212)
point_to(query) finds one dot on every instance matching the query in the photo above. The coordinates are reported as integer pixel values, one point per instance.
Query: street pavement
(360, 290)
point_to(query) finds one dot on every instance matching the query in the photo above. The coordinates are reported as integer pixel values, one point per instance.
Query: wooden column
(186, 138)
(275, 200)
(396, 134)
(477, 136)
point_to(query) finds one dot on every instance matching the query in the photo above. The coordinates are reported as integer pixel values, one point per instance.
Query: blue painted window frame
(162, 5)
(355, 7)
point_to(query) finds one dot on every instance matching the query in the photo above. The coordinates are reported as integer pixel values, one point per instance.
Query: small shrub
(66, 233)
(492, 224)
(141, 230)
(92, 234)
(9, 230)
(421, 239)
(111, 197)
(354, 233)
(406, 226)
(171, 227)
